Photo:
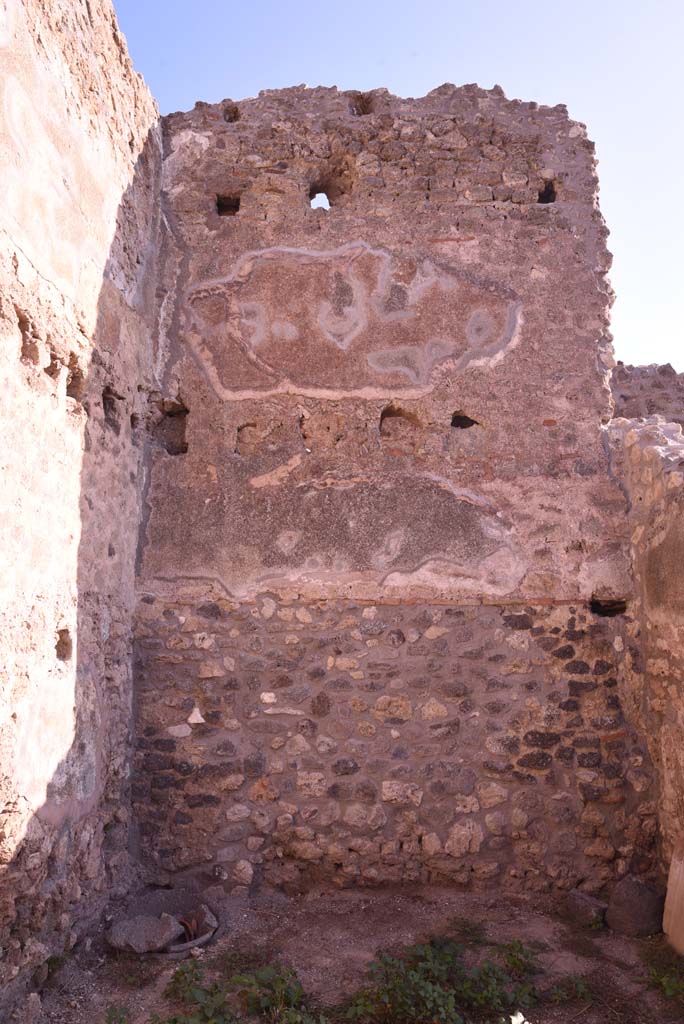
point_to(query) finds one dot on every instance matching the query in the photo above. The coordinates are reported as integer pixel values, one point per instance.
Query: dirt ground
(330, 938)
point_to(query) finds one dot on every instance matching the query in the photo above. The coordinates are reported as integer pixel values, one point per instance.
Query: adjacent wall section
(652, 466)
(383, 548)
(79, 161)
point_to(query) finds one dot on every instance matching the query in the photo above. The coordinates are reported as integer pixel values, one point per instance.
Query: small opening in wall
(75, 383)
(170, 429)
(394, 412)
(110, 406)
(459, 421)
(548, 193)
(319, 200)
(54, 366)
(231, 111)
(608, 606)
(227, 205)
(362, 104)
(64, 646)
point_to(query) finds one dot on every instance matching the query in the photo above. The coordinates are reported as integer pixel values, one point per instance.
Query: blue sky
(617, 64)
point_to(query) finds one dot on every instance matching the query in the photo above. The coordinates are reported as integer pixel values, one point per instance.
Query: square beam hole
(227, 205)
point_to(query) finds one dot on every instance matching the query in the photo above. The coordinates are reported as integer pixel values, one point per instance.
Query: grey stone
(635, 908)
(144, 933)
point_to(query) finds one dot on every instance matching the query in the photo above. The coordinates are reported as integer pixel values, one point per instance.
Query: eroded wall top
(403, 393)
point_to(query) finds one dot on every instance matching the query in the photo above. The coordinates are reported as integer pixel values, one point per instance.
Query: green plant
(431, 984)
(570, 990)
(670, 983)
(116, 1015)
(206, 1004)
(273, 992)
(185, 980)
(665, 969)
(519, 960)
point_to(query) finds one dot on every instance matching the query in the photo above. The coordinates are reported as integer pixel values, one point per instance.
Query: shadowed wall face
(380, 502)
(79, 162)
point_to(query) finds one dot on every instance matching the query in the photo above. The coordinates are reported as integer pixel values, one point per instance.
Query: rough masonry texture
(79, 163)
(330, 558)
(366, 648)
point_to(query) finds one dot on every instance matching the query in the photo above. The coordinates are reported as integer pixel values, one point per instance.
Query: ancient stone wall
(651, 463)
(381, 534)
(642, 391)
(79, 162)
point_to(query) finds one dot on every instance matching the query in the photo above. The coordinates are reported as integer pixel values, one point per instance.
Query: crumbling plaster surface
(79, 163)
(366, 652)
(436, 284)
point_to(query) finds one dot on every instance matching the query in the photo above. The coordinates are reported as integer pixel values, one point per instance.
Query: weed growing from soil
(665, 970)
(430, 984)
(116, 1015)
(570, 990)
(427, 984)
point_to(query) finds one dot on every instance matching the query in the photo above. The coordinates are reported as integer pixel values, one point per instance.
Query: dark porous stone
(345, 766)
(281, 682)
(566, 755)
(602, 667)
(590, 793)
(157, 762)
(203, 800)
(605, 723)
(497, 767)
(444, 729)
(226, 749)
(535, 738)
(523, 776)
(340, 684)
(211, 610)
(495, 707)
(396, 638)
(569, 705)
(577, 687)
(169, 745)
(586, 742)
(320, 705)
(564, 652)
(254, 765)
(536, 759)
(591, 759)
(515, 621)
(584, 909)
(366, 792)
(635, 908)
(578, 668)
(166, 782)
